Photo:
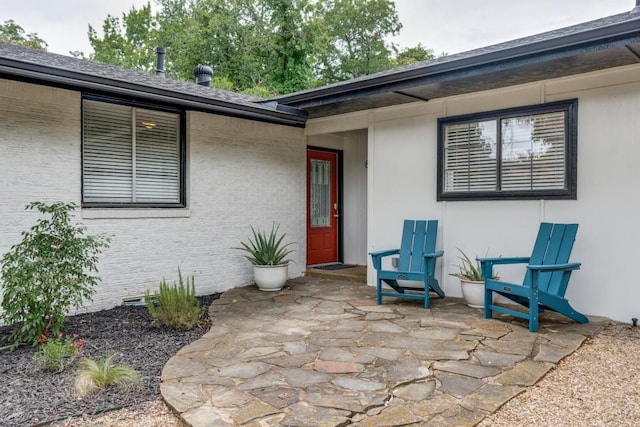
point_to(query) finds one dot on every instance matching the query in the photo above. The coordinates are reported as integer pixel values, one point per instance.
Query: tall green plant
(468, 270)
(175, 306)
(266, 249)
(52, 270)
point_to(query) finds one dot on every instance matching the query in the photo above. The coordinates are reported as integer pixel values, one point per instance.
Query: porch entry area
(337, 201)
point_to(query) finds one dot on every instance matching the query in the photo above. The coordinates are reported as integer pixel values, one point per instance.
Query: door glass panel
(320, 193)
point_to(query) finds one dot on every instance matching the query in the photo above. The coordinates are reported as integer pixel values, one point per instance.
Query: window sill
(105, 213)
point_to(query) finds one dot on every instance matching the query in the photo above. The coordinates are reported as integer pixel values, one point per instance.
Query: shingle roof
(45, 66)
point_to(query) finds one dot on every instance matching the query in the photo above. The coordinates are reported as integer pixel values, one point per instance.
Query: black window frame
(569, 107)
(182, 203)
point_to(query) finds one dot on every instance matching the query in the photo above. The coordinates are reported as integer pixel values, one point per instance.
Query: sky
(446, 26)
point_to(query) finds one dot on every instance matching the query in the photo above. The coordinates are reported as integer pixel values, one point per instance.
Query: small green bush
(58, 353)
(175, 306)
(52, 270)
(94, 376)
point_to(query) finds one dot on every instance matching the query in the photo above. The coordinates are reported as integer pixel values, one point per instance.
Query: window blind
(470, 160)
(531, 149)
(130, 155)
(533, 152)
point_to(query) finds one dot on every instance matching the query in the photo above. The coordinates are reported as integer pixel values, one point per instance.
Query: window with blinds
(523, 153)
(130, 155)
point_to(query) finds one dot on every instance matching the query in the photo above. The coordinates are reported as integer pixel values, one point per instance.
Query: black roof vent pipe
(203, 74)
(160, 61)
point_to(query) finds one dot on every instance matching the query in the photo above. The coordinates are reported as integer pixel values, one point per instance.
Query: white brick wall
(239, 172)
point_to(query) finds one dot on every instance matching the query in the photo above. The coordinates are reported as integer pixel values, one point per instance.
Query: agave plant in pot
(471, 281)
(268, 254)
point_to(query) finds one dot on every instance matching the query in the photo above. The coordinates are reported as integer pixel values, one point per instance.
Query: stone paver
(322, 353)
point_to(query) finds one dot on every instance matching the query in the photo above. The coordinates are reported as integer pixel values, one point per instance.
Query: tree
(292, 45)
(128, 42)
(411, 55)
(352, 37)
(259, 47)
(12, 33)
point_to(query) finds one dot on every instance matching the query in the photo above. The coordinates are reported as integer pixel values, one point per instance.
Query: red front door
(322, 207)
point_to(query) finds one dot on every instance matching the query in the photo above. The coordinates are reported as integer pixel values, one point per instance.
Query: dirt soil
(30, 395)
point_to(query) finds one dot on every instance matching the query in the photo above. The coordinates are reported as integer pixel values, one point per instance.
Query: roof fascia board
(82, 81)
(619, 33)
(450, 75)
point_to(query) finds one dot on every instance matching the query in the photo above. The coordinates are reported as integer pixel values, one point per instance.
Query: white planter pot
(270, 277)
(473, 293)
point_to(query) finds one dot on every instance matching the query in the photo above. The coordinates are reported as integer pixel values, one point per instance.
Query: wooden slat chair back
(416, 262)
(546, 280)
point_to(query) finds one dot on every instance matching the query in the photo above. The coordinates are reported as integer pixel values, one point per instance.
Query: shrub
(175, 306)
(58, 353)
(94, 376)
(52, 270)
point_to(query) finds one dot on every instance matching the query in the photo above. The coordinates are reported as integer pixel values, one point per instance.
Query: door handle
(336, 215)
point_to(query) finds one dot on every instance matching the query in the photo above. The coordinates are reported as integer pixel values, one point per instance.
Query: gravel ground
(598, 385)
(30, 395)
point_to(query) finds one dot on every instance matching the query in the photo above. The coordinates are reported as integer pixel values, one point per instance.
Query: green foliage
(352, 37)
(262, 47)
(52, 270)
(175, 306)
(58, 353)
(94, 376)
(128, 42)
(222, 83)
(258, 92)
(266, 249)
(468, 270)
(12, 33)
(414, 54)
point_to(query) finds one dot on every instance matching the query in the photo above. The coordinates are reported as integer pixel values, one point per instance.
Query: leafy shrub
(58, 353)
(175, 306)
(53, 269)
(94, 376)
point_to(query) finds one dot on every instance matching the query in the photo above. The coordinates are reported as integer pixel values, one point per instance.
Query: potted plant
(268, 254)
(471, 281)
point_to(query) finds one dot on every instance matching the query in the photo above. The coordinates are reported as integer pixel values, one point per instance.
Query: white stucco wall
(402, 148)
(239, 172)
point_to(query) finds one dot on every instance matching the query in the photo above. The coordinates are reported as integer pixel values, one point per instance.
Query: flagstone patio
(322, 353)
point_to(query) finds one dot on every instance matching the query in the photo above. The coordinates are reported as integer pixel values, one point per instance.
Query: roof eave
(616, 33)
(66, 78)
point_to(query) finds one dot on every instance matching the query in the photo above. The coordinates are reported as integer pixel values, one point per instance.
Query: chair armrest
(376, 257)
(434, 255)
(385, 253)
(501, 260)
(556, 267)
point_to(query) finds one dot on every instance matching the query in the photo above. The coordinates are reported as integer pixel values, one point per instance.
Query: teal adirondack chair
(416, 262)
(546, 279)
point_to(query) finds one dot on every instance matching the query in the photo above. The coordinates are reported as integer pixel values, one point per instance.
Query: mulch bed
(30, 395)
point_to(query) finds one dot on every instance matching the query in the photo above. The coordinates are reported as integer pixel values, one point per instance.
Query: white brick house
(244, 161)
(237, 171)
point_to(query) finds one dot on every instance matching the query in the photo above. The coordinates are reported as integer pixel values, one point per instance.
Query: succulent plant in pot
(269, 255)
(471, 280)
